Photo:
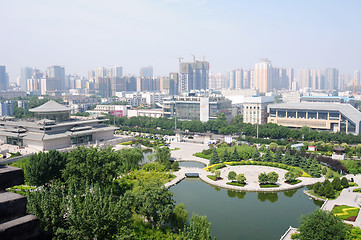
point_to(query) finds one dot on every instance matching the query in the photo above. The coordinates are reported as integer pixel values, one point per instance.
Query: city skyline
(83, 35)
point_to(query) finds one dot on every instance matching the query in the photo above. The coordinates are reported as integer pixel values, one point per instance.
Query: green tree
(317, 187)
(278, 156)
(217, 174)
(256, 156)
(97, 215)
(273, 145)
(44, 167)
(241, 178)
(287, 158)
(267, 157)
(272, 177)
(87, 166)
(235, 156)
(232, 175)
(263, 178)
(179, 216)
(49, 205)
(329, 192)
(321, 225)
(214, 157)
(153, 202)
(226, 156)
(344, 182)
(175, 166)
(199, 228)
(290, 176)
(336, 184)
(162, 155)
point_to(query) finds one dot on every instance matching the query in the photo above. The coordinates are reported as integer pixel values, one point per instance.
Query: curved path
(251, 172)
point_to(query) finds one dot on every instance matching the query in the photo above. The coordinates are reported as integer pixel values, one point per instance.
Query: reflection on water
(244, 215)
(191, 164)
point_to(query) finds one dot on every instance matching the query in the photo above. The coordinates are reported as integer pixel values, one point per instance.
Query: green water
(244, 216)
(191, 164)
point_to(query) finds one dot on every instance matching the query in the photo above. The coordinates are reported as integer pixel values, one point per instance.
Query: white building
(255, 109)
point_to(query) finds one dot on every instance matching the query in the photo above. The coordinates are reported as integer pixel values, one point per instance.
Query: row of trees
(270, 178)
(81, 165)
(240, 178)
(310, 165)
(329, 189)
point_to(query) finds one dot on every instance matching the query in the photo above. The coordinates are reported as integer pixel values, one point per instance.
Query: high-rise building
(263, 76)
(331, 79)
(25, 74)
(173, 84)
(303, 78)
(317, 79)
(4, 80)
(193, 76)
(357, 77)
(146, 72)
(57, 73)
(116, 71)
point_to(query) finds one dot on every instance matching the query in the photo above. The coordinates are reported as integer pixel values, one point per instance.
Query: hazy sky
(85, 34)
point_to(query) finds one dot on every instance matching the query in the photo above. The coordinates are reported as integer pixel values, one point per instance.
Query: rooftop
(346, 109)
(50, 106)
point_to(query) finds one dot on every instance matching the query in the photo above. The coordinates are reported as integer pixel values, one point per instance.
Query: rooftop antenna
(194, 58)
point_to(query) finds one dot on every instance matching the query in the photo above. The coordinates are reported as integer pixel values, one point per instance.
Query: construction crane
(194, 58)
(179, 58)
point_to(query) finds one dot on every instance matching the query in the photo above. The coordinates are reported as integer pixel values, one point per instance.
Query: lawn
(346, 212)
(294, 182)
(268, 185)
(236, 184)
(357, 190)
(213, 178)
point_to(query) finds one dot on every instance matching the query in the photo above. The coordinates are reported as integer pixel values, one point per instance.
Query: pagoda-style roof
(50, 106)
(339, 149)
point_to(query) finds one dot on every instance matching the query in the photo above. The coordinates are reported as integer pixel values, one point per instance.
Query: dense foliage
(329, 189)
(103, 194)
(321, 225)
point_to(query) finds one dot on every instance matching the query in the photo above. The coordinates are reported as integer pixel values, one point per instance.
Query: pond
(241, 215)
(191, 164)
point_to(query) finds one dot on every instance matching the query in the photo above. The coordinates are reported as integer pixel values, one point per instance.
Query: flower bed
(345, 212)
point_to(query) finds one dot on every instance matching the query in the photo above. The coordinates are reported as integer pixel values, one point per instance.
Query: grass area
(353, 184)
(149, 176)
(268, 185)
(126, 143)
(201, 155)
(21, 189)
(236, 184)
(346, 212)
(175, 149)
(357, 190)
(214, 167)
(316, 195)
(294, 182)
(213, 178)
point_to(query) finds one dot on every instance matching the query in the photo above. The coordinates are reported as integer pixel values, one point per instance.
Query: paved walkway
(251, 172)
(349, 198)
(186, 151)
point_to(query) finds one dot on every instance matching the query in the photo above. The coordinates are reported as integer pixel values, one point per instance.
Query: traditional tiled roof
(50, 106)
